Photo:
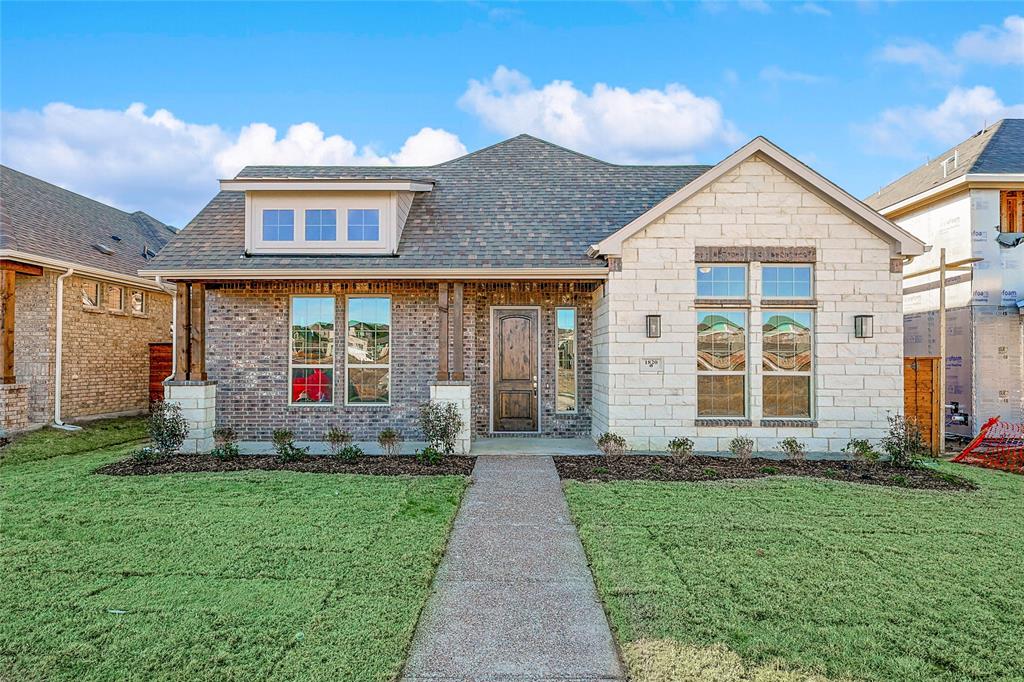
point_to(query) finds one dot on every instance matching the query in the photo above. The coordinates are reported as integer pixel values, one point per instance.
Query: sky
(145, 105)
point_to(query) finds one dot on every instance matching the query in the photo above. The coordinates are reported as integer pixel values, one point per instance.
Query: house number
(651, 365)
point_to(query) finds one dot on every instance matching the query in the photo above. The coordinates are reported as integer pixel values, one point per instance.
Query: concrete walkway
(513, 598)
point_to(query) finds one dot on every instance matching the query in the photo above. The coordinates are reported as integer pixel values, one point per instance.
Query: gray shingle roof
(41, 219)
(522, 203)
(996, 149)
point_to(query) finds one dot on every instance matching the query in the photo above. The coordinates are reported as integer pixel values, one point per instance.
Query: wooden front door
(514, 342)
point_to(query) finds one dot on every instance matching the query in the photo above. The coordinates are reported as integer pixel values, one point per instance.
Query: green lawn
(786, 578)
(50, 442)
(244, 576)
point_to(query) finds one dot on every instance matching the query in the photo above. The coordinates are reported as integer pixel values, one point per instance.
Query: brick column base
(13, 406)
(457, 392)
(198, 401)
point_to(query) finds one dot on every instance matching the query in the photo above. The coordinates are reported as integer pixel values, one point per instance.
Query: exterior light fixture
(863, 326)
(653, 326)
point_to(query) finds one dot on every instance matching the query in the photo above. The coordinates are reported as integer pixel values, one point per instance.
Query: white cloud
(918, 53)
(994, 45)
(775, 74)
(168, 167)
(900, 131)
(760, 6)
(613, 123)
(812, 8)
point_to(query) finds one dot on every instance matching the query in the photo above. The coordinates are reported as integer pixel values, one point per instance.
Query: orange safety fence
(999, 445)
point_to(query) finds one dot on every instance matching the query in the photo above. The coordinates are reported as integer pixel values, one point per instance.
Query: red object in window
(314, 387)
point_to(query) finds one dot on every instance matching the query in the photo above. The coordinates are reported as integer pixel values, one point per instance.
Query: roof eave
(596, 273)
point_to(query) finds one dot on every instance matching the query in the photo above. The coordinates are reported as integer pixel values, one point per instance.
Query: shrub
(284, 444)
(612, 445)
(226, 443)
(337, 440)
(601, 470)
(441, 424)
(167, 427)
(681, 449)
(742, 448)
(770, 470)
(904, 444)
(711, 473)
(349, 453)
(389, 441)
(861, 449)
(793, 449)
(429, 455)
(145, 454)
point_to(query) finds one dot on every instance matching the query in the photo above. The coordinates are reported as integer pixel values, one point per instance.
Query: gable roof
(998, 149)
(904, 242)
(45, 221)
(521, 204)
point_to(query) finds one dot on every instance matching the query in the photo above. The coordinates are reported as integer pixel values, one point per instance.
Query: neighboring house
(970, 201)
(73, 305)
(544, 292)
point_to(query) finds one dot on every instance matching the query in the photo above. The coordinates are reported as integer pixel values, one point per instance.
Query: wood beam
(183, 310)
(21, 268)
(459, 371)
(7, 288)
(442, 331)
(197, 333)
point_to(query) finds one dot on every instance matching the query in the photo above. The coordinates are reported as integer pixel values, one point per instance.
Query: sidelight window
(565, 351)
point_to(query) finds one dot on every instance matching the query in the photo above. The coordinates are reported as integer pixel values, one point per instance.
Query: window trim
(810, 374)
(1006, 198)
(305, 227)
(99, 294)
(389, 366)
(120, 288)
(145, 300)
(298, 202)
(575, 360)
(745, 296)
(295, 226)
(380, 228)
(794, 297)
(745, 373)
(292, 365)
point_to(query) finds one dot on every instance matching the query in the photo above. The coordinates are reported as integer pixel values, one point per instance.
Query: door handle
(535, 384)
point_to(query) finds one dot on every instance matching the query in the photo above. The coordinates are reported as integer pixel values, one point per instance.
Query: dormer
(348, 216)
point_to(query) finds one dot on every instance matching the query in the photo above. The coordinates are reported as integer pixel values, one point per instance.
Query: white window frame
(809, 373)
(575, 360)
(391, 349)
(145, 302)
(745, 373)
(99, 294)
(298, 202)
(320, 241)
(295, 225)
(746, 280)
(120, 308)
(766, 297)
(334, 362)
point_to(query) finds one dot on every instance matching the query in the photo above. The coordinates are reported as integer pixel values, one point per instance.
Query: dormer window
(278, 225)
(321, 224)
(363, 225)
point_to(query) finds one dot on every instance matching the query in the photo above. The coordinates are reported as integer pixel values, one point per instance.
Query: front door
(515, 369)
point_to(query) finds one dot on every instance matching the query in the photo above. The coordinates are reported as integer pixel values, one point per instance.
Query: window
(786, 281)
(321, 224)
(363, 225)
(312, 350)
(368, 350)
(565, 349)
(114, 296)
(721, 281)
(138, 301)
(1011, 211)
(90, 294)
(787, 365)
(278, 225)
(721, 363)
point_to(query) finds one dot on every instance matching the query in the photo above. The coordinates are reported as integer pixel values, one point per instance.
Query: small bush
(681, 449)
(429, 455)
(167, 427)
(601, 470)
(742, 448)
(389, 441)
(226, 443)
(899, 479)
(349, 453)
(612, 445)
(769, 470)
(657, 469)
(904, 444)
(793, 449)
(711, 473)
(284, 444)
(831, 473)
(146, 454)
(337, 440)
(441, 424)
(861, 449)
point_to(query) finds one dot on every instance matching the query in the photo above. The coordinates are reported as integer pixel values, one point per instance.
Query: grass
(781, 579)
(50, 442)
(243, 576)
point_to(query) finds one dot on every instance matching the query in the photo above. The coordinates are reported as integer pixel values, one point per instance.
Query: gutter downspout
(59, 355)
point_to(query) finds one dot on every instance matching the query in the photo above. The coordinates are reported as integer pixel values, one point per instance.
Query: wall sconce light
(653, 326)
(863, 326)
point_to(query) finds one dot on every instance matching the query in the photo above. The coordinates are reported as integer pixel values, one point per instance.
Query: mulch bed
(703, 468)
(373, 465)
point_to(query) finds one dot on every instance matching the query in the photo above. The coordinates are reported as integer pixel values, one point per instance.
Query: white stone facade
(458, 393)
(198, 402)
(857, 383)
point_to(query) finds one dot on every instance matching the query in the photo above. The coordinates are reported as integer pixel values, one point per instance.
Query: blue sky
(860, 91)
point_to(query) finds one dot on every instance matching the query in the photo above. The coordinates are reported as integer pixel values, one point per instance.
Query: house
(545, 293)
(969, 201)
(77, 317)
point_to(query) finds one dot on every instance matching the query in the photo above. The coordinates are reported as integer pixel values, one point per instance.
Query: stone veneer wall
(857, 381)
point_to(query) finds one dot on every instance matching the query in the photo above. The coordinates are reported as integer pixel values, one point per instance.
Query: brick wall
(34, 332)
(857, 381)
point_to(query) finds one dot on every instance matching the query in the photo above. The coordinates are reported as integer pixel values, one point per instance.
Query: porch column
(442, 331)
(197, 333)
(182, 332)
(7, 289)
(459, 371)
(451, 386)
(190, 389)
